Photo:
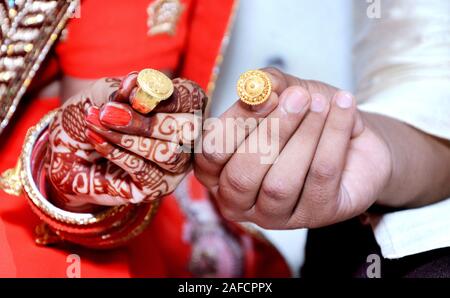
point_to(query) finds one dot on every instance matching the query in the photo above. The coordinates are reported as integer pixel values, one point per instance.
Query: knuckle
(236, 181)
(214, 157)
(275, 190)
(323, 172)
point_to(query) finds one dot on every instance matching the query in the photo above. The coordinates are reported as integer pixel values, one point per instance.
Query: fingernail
(344, 100)
(318, 103)
(294, 101)
(115, 115)
(92, 117)
(94, 137)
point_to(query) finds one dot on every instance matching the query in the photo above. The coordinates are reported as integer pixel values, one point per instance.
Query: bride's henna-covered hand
(102, 152)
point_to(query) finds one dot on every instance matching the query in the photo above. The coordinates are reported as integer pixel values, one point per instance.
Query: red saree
(187, 237)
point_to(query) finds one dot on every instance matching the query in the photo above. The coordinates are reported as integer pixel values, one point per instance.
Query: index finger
(244, 119)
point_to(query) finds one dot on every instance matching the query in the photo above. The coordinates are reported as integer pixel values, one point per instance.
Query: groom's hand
(325, 166)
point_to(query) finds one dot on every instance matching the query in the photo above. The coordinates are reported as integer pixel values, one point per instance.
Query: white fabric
(402, 67)
(402, 64)
(409, 232)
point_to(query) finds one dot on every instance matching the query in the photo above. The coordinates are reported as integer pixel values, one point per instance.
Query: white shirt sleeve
(402, 68)
(413, 231)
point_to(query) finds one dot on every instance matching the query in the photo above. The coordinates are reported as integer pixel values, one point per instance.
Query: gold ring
(153, 87)
(254, 87)
(143, 102)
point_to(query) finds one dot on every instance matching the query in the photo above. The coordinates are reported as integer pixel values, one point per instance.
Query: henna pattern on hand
(167, 155)
(113, 82)
(187, 98)
(85, 172)
(73, 121)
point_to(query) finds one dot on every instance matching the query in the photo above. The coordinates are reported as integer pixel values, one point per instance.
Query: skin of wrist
(389, 189)
(419, 164)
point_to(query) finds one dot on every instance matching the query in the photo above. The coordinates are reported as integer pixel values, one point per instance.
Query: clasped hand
(102, 152)
(329, 165)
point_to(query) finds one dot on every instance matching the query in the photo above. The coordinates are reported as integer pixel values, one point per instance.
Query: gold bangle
(30, 187)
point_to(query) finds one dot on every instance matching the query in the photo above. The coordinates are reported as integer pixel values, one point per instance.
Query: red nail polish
(93, 117)
(115, 115)
(94, 137)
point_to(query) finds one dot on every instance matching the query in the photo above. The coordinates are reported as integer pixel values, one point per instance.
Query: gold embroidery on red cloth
(163, 16)
(27, 31)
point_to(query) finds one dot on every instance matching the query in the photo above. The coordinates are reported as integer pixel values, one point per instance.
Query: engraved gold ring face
(153, 87)
(254, 87)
